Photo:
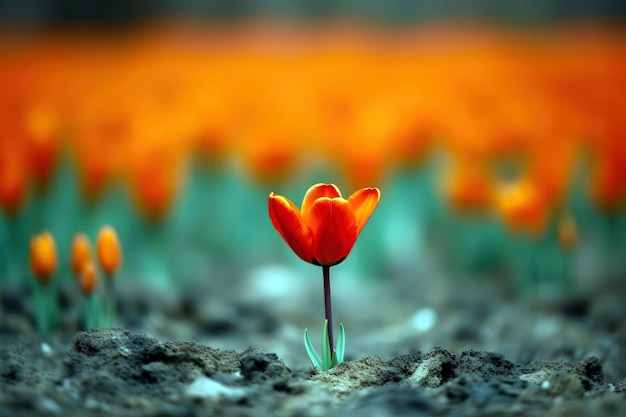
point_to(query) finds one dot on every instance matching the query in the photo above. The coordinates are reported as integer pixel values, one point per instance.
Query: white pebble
(545, 384)
(538, 377)
(91, 404)
(49, 406)
(46, 349)
(424, 319)
(208, 388)
(548, 327)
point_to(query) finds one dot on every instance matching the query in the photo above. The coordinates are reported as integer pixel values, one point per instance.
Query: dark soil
(115, 372)
(481, 356)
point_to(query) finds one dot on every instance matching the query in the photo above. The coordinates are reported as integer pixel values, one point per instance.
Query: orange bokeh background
(278, 99)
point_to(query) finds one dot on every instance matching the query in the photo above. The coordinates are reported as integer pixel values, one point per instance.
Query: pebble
(424, 319)
(46, 349)
(538, 377)
(208, 388)
(50, 406)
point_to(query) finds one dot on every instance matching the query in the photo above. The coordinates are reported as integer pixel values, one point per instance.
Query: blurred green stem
(14, 244)
(109, 301)
(92, 312)
(44, 299)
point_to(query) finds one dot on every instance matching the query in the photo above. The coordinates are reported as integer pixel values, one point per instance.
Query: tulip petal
(363, 202)
(334, 229)
(315, 192)
(287, 220)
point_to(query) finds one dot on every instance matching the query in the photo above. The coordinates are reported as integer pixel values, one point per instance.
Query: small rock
(46, 349)
(436, 367)
(208, 388)
(256, 366)
(424, 319)
(48, 405)
(538, 377)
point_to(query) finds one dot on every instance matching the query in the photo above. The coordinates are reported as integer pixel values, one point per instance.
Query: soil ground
(238, 352)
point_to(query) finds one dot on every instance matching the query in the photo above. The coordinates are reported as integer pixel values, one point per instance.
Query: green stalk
(109, 302)
(567, 277)
(328, 307)
(15, 256)
(92, 313)
(42, 307)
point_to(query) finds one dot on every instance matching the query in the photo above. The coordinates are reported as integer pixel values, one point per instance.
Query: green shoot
(328, 359)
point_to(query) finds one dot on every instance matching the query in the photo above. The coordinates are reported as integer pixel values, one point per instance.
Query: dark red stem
(328, 307)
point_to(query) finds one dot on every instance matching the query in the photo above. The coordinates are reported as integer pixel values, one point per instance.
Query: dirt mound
(115, 372)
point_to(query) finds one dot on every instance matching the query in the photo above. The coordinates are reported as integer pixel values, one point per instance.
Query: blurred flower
(102, 131)
(88, 278)
(521, 206)
(270, 153)
(470, 186)
(366, 149)
(13, 179)
(551, 169)
(43, 256)
(608, 179)
(367, 103)
(43, 135)
(109, 250)
(324, 231)
(155, 177)
(80, 253)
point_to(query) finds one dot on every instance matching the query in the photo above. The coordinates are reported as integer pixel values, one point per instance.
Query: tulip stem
(109, 301)
(44, 306)
(328, 307)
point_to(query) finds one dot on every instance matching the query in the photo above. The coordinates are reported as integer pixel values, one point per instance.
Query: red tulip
(324, 231)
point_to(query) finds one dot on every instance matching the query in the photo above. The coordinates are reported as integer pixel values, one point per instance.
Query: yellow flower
(109, 250)
(43, 256)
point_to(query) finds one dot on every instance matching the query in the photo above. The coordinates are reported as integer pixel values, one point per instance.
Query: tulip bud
(43, 256)
(109, 250)
(80, 254)
(88, 278)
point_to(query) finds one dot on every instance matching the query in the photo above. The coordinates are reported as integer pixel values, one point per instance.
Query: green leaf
(326, 356)
(310, 350)
(341, 346)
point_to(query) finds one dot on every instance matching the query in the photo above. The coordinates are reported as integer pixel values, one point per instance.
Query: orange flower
(327, 226)
(607, 181)
(88, 278)
(470, 187)
(81, 253)
(42, 138)
(521, 205)
(109, 250)
(43, 256)
(13, 178)
(155, 177)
